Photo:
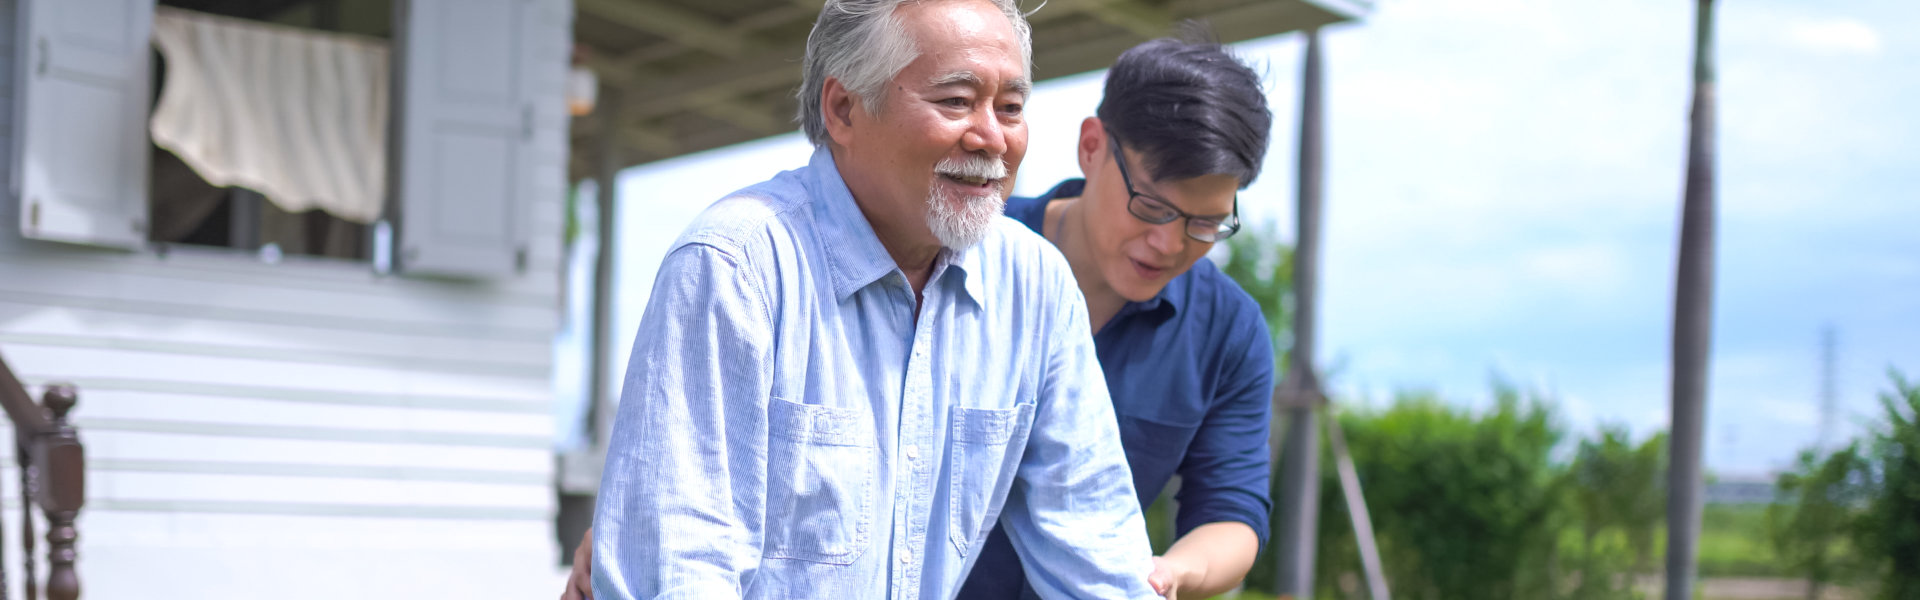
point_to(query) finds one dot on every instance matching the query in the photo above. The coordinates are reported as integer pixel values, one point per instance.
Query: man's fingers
(1162, 579)
(580, 578)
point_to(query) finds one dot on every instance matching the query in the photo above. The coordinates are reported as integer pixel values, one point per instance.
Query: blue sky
(1503, 196)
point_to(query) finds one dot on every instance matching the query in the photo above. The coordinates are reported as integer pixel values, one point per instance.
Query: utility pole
(1692, 323)
(1297, 509)
(1828, 388)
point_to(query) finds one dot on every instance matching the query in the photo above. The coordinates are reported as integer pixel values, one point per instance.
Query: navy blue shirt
(1191, 374)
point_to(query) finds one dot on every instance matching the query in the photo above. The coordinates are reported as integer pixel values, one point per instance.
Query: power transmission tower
(1828, 387)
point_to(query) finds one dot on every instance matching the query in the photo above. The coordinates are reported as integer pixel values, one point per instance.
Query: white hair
(862, 44)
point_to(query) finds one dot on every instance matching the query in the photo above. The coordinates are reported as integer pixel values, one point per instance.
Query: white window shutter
(465, 128)
(85, 83)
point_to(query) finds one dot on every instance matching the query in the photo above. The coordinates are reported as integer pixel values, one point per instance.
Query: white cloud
(1835, 36)
(1592, 269)
(1802, 412)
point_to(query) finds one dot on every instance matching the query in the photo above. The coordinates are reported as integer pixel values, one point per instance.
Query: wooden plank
(669, 21)
(44, 363)
(131, 288)
(23, 319)
(529, 369)
(232, 411)
(267, 469)
(321, 493)
(214, 264)
(133, 445)
(304, 395)
(318, 509)
(326, 434)
(239, 531)
(187, 311)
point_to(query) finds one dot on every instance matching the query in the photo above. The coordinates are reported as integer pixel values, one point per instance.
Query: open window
(154, 123)
(270, 125)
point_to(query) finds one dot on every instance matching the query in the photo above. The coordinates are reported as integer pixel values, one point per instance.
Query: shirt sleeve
(682, 496)
(1071, 514)
(1225, 474)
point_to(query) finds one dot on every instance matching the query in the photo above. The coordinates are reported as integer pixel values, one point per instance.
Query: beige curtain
(299, 116)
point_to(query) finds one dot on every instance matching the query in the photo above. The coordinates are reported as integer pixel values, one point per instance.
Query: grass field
(1733, 548)
(1733, 542)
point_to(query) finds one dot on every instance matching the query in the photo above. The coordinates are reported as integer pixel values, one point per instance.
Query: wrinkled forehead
(946, 28)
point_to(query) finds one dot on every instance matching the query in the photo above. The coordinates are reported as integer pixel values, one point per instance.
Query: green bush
(1819, 503)
(1465, 504)
(1620, 487)
(1888, 533)
(1472, 505)
(1263, 266)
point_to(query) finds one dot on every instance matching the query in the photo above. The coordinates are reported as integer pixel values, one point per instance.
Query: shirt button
(906, 556)
(913, 452)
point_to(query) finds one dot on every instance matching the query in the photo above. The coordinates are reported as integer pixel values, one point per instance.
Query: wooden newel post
(61, 466)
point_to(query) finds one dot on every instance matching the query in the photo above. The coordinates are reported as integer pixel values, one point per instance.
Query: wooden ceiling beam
(725, 107)
(638, 58)
(664, 95)
(1140, 18)
(755, 120)
(653, 142)
(669, 21)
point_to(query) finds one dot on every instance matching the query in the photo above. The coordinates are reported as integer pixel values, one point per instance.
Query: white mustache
(974, 167)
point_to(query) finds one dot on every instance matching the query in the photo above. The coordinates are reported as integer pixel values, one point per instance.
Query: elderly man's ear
(838, 104)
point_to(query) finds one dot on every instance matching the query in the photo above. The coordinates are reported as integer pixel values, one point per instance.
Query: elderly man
(847, 375)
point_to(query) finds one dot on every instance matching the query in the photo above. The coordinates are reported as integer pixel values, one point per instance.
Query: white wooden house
(299, 427)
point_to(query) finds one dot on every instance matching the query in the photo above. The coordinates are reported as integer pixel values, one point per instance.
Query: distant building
(1741, 489)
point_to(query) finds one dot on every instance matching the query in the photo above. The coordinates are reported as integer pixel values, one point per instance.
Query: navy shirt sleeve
(1224, 476)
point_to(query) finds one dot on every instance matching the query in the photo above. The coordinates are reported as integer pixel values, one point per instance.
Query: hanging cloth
(297, 115)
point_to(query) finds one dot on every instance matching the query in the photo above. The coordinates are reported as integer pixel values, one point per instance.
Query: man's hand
(580, 581)
(1166, 577)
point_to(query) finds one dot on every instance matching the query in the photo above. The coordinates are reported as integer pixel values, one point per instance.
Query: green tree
(1889, 532)
(1466, 504)
(1619, 486)
(1818, 505)
(1262, 264)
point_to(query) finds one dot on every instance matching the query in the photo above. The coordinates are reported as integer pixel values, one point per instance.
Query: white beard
(961, 222)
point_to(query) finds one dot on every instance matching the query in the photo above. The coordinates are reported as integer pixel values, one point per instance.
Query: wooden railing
(52, 475)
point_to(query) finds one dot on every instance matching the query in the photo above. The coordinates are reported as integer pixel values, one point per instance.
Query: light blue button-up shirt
(789, 428)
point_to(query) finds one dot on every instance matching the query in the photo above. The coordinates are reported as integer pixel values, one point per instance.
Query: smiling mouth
(1146, 271)
(969, 181)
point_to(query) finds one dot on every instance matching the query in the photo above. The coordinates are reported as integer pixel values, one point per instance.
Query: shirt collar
(855, 256)
(1161, 303)
(967, 265)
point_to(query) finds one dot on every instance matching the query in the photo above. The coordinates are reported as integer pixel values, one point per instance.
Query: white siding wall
(298, 430)
(253, 425)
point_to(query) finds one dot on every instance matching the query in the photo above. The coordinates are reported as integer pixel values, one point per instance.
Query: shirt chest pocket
(984, 460)
(819, 482)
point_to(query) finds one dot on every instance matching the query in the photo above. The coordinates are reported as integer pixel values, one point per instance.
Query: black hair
(1189, 108)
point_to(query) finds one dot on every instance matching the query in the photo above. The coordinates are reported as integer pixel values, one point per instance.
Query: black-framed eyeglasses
(1160, 212)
